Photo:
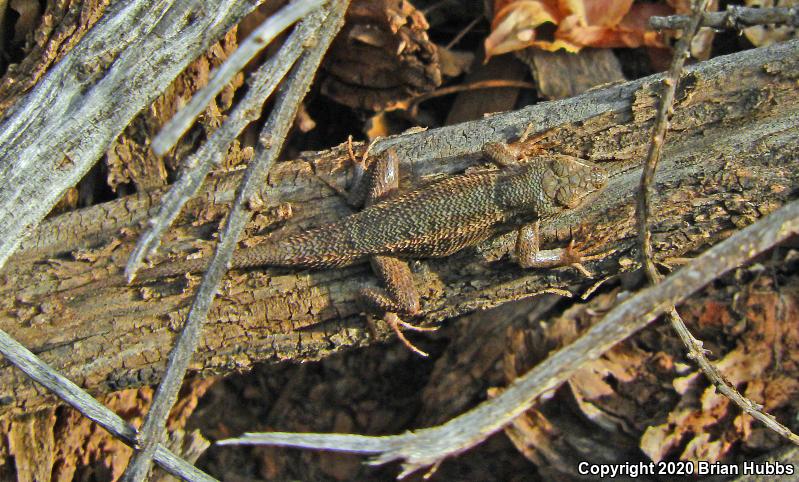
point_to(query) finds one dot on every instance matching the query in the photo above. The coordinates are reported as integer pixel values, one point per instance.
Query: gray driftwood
(53, 136)
(730, 159)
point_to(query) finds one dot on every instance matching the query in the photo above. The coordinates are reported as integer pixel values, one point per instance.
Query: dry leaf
(572, 24)
(646, 393)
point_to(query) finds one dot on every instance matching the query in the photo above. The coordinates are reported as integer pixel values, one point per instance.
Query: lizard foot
(574, 257)
(578, 258)
(397, 325)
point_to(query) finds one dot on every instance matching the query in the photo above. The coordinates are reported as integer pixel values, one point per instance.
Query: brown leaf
(580, 23)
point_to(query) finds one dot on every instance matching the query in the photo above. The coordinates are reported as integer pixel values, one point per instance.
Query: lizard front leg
(563, 188)
(529, 255)
(400, 295)
(501, 154)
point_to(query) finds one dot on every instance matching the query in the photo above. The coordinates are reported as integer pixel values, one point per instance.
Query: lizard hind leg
(399, 297)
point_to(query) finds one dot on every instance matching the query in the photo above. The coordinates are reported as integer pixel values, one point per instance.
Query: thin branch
(272, 137)
(42, 373)
(54, 135)
(412, 104)
(734, 18)
(430, 446)
(257, 40)
(262, 84)
(178, 467)
(693, 345)
(81, 401)
(457, 38)
(697, 352)
(670, 81)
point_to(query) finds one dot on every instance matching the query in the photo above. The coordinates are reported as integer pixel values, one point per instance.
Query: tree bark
(730, 158)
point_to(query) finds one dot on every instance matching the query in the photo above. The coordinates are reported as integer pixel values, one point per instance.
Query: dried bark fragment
(32, 445)
(474, 104)
(130, 160)
(381, 56)
(563, 74)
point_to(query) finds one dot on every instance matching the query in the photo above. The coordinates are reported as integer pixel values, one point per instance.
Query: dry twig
(262, 84)
(108, 78)
(81, 401)
(255, 42)
(271, 141)
(694, 346)
(735, 17)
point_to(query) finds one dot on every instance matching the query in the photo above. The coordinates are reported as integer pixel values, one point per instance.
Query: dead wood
(50, 138)
(730, 159)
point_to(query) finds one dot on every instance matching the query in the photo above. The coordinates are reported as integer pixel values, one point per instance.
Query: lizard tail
(260, 255)
(314, 249)
(244, 258)
(326, 248)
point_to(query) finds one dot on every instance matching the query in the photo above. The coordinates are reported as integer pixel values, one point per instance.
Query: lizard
(434, 220)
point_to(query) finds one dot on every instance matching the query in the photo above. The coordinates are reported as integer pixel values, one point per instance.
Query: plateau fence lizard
(435, 220)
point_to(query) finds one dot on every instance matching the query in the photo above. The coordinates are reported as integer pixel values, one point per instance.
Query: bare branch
(735, 17)
(658, 138)
(59, 130)
(257, 40)
(693, 345)
(430, 446)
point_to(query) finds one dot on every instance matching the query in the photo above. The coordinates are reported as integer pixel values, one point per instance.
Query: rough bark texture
(730, 159)
(61, 444)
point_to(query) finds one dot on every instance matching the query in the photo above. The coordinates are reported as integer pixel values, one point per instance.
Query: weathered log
(730, 158)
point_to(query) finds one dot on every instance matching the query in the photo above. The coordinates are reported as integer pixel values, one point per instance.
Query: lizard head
(570, 180)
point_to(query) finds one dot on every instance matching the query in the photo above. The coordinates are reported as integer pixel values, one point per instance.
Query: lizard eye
(598, 177)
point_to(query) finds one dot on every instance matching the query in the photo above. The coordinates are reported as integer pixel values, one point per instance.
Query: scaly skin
(433, 221)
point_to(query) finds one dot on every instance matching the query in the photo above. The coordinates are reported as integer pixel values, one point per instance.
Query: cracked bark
(730, 159)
